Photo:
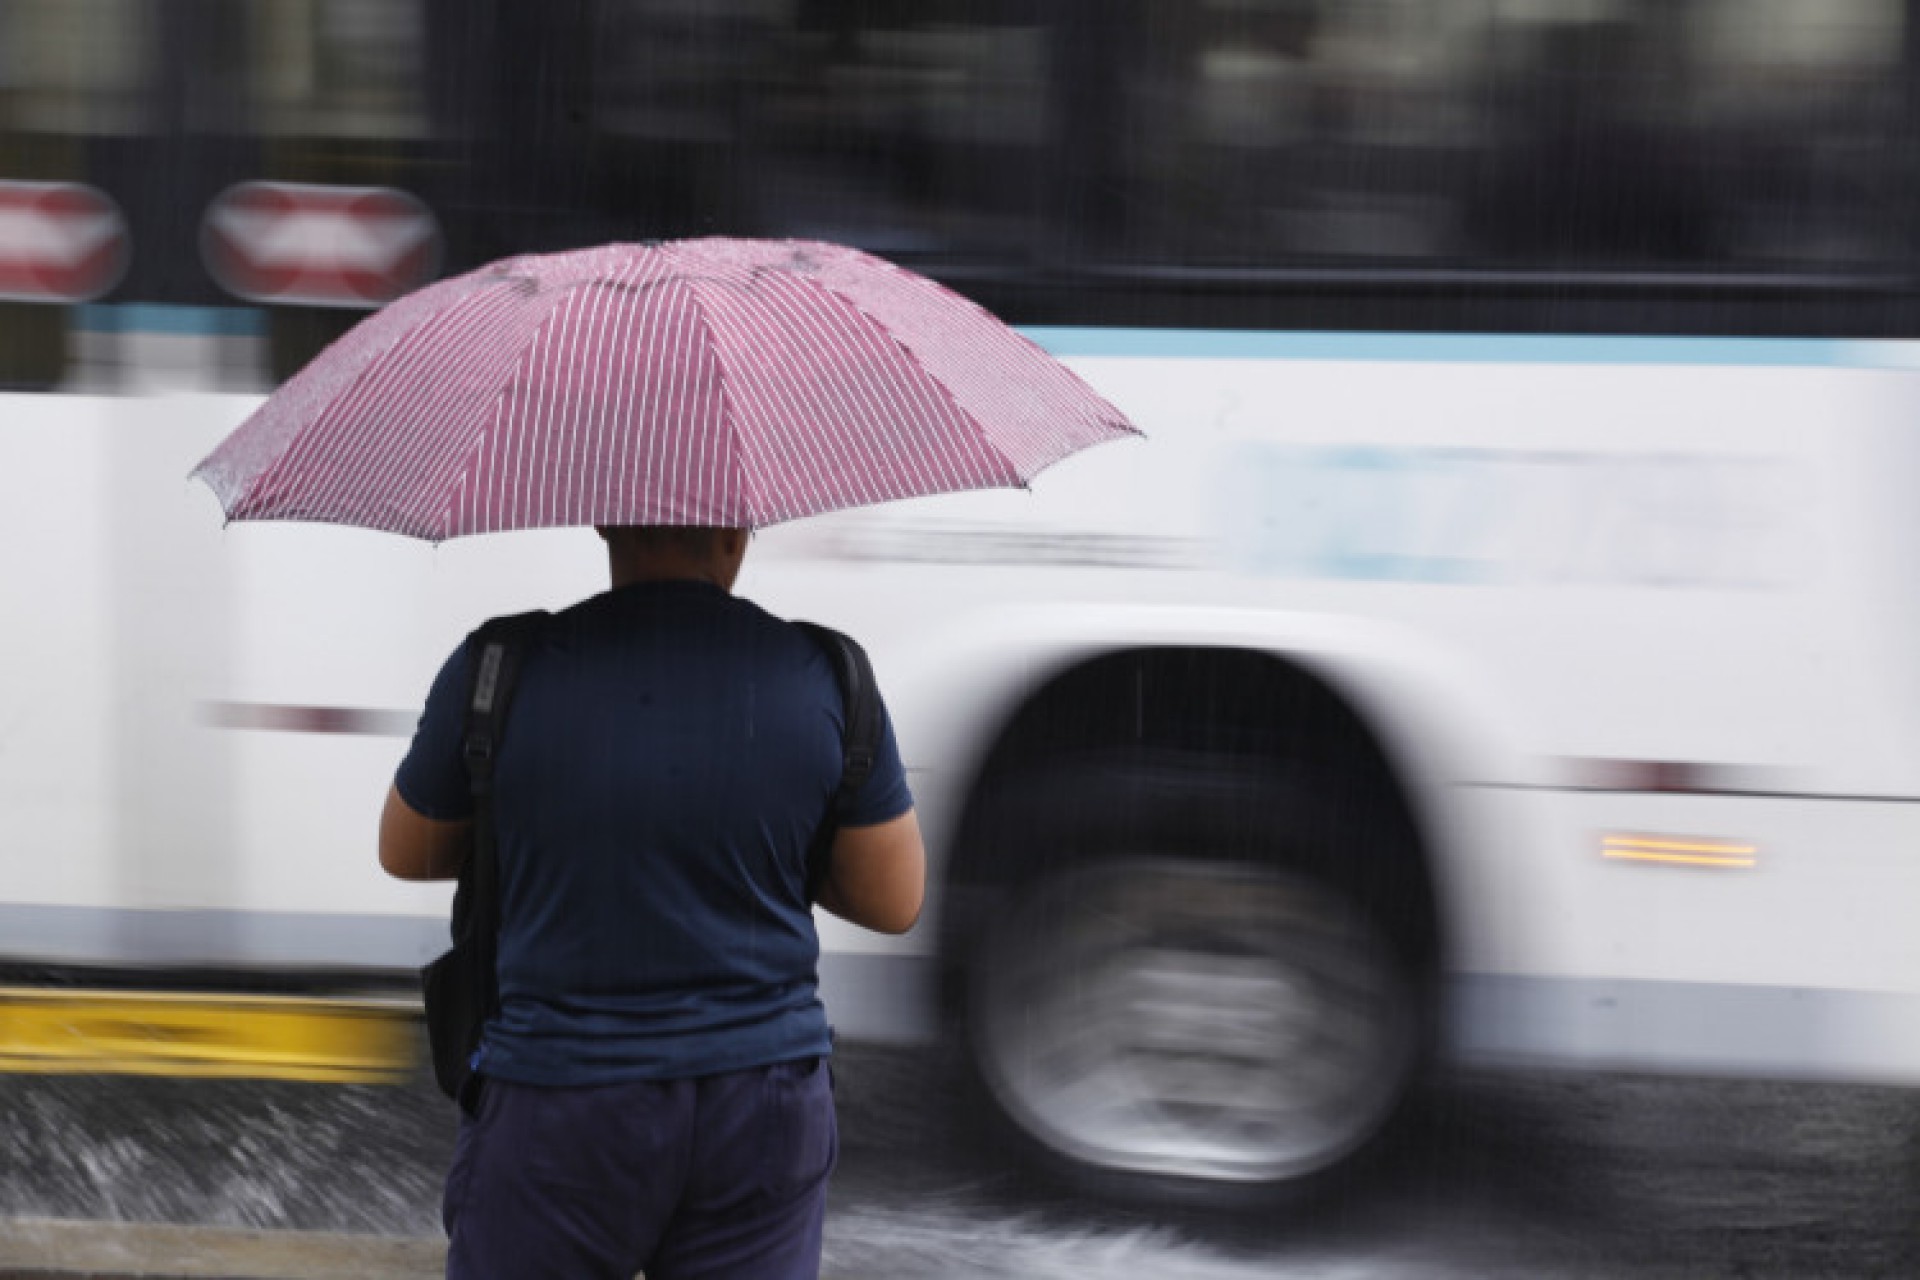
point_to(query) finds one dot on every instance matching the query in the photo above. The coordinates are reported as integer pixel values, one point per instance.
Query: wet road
(1496, 1175)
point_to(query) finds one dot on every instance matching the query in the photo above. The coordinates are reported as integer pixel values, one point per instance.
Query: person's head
(660, 552)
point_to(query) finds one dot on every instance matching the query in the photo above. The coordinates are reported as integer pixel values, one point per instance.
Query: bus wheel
(1202, 1019)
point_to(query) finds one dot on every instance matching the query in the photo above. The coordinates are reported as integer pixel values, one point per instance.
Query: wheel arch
(1394, 702)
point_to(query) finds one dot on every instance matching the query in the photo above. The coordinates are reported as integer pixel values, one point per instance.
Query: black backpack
(461, 987)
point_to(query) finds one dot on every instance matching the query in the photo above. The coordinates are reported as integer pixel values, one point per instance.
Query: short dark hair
(685, 539)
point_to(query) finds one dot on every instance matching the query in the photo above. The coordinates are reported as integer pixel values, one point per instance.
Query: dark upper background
(1659, 166)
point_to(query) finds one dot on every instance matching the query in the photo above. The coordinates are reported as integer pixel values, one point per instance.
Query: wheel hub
(1194, 1019)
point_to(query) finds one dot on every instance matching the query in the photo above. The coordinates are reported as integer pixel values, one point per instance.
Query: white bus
(1443, 676)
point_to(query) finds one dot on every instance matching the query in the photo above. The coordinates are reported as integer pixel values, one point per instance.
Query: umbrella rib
(850, 397)
(1071, 417)
(743, 478)
(917, 459)
(414, 513)
(487, 430)
(793, 449)
(886, 333)
(778, 294)
(562, 461)
(306, 445)
(239, 493)
(615, 446)
(596, 337)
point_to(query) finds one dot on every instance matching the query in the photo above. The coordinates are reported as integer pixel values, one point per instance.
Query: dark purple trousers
(721, 1176)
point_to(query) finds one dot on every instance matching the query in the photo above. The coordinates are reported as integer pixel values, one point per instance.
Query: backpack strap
(862, 721)
(494, 655)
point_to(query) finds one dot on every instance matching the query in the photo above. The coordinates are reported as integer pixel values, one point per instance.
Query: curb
(336, 1041)
(53, 1249)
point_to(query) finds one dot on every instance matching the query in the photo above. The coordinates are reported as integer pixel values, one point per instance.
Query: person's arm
(426, 827)
(415, 847)
(878, 876)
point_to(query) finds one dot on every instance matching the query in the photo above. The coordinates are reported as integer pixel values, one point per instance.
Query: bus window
(920, 131)
(1705, 135)
(1587, 161)
(338, 68)
(337, 94)
(932, 132)
(1806, 104)
(666, 91)
(1551, 135)
(70, 71)
(77, 66)
(1282, 132)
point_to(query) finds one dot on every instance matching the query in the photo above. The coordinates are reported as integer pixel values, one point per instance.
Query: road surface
(1495, 1175)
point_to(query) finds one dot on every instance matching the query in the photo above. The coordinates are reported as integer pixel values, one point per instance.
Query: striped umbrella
(736, 383)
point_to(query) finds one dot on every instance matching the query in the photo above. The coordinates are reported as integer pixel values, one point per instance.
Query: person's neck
(629, 574)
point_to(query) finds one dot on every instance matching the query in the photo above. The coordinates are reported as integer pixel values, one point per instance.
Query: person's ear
(733, 553)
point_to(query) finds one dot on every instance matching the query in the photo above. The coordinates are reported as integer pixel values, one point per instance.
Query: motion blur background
(1327, 252)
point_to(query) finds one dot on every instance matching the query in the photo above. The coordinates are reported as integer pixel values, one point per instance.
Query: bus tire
(1180, 987)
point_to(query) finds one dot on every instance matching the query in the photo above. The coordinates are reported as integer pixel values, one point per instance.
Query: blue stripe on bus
(1220, 344)
(1229, 344)
(147, 317)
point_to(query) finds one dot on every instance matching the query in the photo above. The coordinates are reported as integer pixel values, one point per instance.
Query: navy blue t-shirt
(670, 751)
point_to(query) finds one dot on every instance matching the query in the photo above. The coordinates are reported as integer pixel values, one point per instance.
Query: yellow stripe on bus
(1721, 848)
(1679, 859)
(50, 1031)
(1685, 851)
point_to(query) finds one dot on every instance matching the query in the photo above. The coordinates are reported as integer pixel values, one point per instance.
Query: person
(655, 1094)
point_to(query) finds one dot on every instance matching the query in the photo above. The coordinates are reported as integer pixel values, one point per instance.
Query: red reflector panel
(316, 246)
(59, 242)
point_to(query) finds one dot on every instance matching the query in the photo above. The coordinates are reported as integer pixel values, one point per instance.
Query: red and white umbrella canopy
(736, 383)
